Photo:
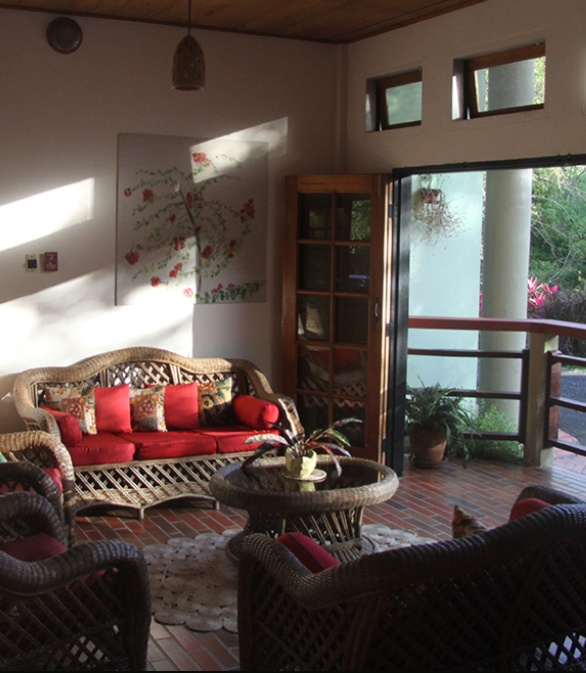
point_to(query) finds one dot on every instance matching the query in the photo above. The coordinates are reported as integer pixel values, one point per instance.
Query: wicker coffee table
(330, 512)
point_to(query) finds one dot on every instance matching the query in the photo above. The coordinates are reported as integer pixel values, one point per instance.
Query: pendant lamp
(189, 65)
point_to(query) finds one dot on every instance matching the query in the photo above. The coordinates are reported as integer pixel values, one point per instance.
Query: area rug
(194, 584)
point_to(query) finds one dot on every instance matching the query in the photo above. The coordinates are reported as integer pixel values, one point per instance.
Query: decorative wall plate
(64, 35)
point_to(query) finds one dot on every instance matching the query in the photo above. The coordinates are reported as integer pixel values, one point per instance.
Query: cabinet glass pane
(353, 217)
(351, 320)
(349, 372)
(352, 268)
(314, 267)
(313, 318)
(313, 412)
(313, 368)
(315, 216)
(350, 409)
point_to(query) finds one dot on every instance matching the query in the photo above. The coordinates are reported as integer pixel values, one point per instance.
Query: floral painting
(192, 220)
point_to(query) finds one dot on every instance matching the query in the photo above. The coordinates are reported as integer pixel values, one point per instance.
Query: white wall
(494, 25)
(60, 117)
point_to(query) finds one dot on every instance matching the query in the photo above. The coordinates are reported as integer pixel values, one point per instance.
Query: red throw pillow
(256, 413)
(313, 557)
(182, 407)
(69, 427)
(113, 408)
(527, 506)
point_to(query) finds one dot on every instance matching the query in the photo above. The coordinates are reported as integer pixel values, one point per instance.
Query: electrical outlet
(31, 263)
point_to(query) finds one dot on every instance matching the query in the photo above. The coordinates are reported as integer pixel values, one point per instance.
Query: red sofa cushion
(101, 449)
(182, 407)
(69, 427)
(255, 412)
(310, 553)
(231, 438)
(174, 444)
(527, 506)
(113, 408)
(36, 547)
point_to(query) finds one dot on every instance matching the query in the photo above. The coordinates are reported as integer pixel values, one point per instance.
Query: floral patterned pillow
(215, 402)
(147, 409)
(78, 402)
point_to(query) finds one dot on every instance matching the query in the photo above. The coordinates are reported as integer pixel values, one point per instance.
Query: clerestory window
(398, 99)
(500, 83)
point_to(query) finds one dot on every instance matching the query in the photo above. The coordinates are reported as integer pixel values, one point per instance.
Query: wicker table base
(329, 512)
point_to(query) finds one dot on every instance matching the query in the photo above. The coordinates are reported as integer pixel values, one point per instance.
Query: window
(500, 83)
(398, 100)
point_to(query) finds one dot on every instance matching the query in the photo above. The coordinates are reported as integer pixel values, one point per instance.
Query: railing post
(537, 453)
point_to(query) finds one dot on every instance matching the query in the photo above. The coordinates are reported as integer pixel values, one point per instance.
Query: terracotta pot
(427, 448)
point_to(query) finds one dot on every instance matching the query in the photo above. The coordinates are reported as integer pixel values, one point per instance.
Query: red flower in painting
(188, 292)
(232, 243)
(179, 242)
(179, 265)
(155, 281)
(128, 192)
(207, 251)
(173, 273)
(173, 218)
(132, 257)
(147, 194)
(247, 210)
(201, 158)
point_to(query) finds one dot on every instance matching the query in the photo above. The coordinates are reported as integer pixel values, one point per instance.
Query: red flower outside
(232, 243)
(179, 242)
(132, 257)
(173, 273)
(155, 281)
(147, 194)
(128, 192)
(188, 292)
(207, 251)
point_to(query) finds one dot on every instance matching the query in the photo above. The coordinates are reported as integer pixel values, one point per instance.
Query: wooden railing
(539, 386)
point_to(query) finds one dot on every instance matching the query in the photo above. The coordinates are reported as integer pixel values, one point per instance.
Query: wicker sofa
(511, 598)
(146, 465)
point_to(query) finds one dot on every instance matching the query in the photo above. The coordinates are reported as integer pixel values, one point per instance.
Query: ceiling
(334, 21)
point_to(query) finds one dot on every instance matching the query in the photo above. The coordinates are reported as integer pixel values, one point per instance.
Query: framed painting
(192, 220)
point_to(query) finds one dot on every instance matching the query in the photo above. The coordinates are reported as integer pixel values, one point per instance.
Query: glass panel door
(336, 272)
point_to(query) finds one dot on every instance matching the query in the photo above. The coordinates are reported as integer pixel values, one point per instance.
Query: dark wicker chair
(47, 452)
(87, 608)
(512, 598)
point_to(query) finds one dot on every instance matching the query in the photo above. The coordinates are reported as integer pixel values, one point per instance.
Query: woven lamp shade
(189, 65)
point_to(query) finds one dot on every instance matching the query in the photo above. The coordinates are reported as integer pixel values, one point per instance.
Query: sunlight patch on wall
(43, 214)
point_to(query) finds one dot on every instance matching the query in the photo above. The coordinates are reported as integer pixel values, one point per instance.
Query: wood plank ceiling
(334, 21)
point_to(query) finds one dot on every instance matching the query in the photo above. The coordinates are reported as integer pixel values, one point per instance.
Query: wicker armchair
(86, 608)
(512, 598)
(45, 451)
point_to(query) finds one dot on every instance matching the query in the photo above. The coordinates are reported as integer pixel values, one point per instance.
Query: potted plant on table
(300, 450)
(437, 425)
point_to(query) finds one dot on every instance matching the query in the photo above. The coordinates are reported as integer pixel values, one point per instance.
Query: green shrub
(571, 307)
(490, 419)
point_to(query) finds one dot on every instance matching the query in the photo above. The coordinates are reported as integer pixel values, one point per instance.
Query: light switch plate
(31, 263)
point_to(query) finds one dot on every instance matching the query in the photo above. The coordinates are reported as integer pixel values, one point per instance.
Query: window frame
(383, 84)
(509, 56)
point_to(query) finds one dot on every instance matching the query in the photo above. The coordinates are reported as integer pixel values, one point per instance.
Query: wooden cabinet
(336, 287)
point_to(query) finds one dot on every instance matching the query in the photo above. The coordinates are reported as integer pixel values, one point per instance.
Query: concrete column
(507, 236)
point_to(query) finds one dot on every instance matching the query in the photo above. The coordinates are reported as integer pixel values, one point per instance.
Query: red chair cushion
(113, 408)
(36, 547)
(153, 445)
(527, 506)
(55, 474)
(254, 412)
(101, 449)
(309, 552)
(69, 427)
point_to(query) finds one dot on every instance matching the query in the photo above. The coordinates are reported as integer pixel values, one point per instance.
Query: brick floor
(423, 503)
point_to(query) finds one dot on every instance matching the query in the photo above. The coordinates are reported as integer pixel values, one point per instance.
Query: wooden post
(537, 453)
